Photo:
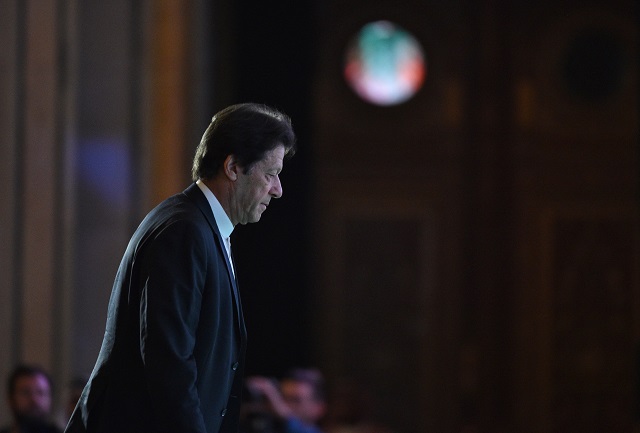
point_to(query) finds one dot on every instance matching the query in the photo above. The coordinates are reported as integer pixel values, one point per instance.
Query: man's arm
(169, 314)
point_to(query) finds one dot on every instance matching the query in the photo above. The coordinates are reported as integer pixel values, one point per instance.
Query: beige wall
(33, 247)
(77, 89)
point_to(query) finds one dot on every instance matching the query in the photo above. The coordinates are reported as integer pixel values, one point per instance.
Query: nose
(276, 189)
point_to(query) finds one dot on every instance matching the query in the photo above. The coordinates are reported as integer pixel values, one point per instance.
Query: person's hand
(268, 388)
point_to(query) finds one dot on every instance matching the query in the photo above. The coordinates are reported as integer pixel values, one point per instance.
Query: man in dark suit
(173, 350)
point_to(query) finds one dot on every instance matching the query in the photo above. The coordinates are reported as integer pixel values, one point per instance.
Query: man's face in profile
(254, 189)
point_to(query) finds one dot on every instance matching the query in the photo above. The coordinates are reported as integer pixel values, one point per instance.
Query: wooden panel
(592, 341)
(378, 313)
(40, 183)
(8, 185)
(384, 316)
(575, 191)
(169, 99)
(577, 69)
(529, 136)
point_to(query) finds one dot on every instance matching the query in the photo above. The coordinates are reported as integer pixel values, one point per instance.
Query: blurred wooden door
(478, 245)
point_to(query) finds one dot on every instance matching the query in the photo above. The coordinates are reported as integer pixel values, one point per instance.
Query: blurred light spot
(104, 166)
(384, 64)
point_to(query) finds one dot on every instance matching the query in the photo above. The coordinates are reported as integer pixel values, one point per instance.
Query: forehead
(32, 381)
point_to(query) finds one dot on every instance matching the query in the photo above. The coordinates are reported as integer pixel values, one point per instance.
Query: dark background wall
(453, 255)
(274, 48)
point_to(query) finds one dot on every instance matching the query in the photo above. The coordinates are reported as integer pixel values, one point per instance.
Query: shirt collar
(225, 226)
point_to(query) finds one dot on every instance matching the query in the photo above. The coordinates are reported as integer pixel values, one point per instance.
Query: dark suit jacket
(173, 350)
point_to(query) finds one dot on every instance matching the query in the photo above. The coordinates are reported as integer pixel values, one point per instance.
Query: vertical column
(39, 182)
(169, 97)
(63, 355)
(8, 131)
(31, 266)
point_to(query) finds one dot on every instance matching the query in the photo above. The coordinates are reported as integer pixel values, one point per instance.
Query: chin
(250, 220)
(257, 217)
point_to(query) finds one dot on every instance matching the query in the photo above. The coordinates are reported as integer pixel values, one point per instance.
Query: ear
(231, 167)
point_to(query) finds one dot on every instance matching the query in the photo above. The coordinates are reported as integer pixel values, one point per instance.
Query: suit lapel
(194, 193)
(243, 329)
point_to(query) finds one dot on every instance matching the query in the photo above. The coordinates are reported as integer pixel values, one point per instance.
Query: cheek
(259, 193)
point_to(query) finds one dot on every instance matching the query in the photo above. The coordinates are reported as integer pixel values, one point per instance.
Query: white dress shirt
(225, 226)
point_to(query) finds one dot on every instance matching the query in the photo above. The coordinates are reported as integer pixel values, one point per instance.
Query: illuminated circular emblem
(384, 64)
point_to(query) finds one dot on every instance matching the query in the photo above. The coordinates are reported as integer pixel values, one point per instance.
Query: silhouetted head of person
(29, 394)
(304, 392)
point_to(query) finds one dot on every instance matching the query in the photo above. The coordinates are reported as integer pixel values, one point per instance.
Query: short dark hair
(25, 370)
(247, 131)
